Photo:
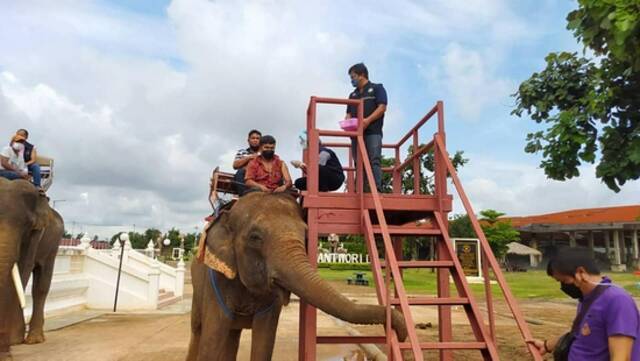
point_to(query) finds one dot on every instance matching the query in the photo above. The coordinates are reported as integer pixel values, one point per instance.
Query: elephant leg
(42, 276)
(196, 327)
(263, 334)
(231, 348)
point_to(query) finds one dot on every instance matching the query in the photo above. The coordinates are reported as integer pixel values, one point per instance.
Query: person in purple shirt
(610, 328)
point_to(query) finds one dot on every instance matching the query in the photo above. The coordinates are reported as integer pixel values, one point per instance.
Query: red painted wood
(349, 213)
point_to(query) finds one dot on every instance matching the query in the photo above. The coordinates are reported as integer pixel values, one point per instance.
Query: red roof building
(611, 231)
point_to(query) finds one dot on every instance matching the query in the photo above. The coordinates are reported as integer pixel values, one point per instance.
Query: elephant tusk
(18, 284)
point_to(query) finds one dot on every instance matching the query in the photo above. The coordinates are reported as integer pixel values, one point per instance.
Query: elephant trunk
(8, 296)
(294, 272)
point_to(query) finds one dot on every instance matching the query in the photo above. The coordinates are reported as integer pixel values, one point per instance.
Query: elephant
(30, 234)
(254, 257)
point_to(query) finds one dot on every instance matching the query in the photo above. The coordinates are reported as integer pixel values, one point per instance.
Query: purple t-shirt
(613, 313)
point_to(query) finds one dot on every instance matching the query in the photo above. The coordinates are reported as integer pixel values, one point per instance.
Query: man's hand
(539, 344)
(264, 188)
(280, 189)
(24, 175)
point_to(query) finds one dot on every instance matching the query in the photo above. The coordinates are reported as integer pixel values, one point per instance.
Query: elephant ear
(42, 213)
(219, 253)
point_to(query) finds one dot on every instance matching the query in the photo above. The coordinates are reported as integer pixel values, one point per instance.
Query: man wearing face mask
(607, 325)
(374, 97)
(267, 172)
(12, 165)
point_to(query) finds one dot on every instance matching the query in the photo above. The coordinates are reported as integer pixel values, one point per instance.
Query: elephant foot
(34, 338)
(5, 356)
(16, 336)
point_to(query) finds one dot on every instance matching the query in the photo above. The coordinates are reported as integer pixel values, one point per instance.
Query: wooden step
(422, 264)
(433, 301)
(351, 339)
(414, 231)
(446, 345)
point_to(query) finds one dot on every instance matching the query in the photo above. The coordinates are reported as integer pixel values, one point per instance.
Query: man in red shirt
(267, 172)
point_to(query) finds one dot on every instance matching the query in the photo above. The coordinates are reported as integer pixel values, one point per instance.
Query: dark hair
(567, 261)
(267, 139)
(24, 130)
(359, 69)
(254, 131)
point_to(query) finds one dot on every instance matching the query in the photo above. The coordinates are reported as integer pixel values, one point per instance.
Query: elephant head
(24, 214)
(261, 240)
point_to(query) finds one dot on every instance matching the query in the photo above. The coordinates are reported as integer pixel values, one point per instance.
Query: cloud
(138, 109)
(523, 189)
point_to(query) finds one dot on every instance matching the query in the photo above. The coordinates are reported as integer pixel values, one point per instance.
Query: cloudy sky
(137, 103)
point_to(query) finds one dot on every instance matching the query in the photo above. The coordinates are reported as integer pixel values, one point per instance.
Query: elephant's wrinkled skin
(258, 251)
(30, 233)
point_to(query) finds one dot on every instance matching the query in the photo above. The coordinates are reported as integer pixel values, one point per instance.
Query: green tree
(152, 234)
(67, 235)
(137, 240)
(427, 167)
(590, 105)
(499, 233)
(460, 227)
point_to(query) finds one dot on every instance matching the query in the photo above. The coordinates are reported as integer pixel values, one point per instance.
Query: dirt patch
(164, 337)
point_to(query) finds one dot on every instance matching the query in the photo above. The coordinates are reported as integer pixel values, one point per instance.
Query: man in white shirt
(12, 165)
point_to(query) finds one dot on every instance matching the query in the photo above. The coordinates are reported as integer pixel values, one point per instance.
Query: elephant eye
(254, 238)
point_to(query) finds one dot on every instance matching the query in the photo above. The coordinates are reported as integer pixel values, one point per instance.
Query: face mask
(354, 82)
(267, 154)
(571, 290)
(18, 147)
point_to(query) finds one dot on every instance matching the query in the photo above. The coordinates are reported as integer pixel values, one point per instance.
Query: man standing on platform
(374, 97)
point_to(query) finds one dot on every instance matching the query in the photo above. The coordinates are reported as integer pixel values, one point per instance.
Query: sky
(139, 101)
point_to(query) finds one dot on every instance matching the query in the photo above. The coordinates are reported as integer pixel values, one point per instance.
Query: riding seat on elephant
(30, 233)
(253, 257)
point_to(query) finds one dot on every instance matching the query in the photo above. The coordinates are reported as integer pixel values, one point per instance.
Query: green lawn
(531, 284)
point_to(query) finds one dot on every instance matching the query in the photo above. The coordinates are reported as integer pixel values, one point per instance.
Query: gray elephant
(30, 233)
(253, 258)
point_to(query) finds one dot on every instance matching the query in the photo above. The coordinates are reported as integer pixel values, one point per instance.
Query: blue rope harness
(227, 312)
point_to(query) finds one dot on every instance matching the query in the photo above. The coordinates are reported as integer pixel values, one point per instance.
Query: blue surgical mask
(354, 82)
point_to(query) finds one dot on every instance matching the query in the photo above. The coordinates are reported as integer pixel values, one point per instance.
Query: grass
(533, 284)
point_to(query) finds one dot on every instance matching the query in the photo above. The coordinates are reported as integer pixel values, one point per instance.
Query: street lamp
(123, 238)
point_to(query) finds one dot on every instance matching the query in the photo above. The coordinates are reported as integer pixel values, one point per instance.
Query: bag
(563, 346)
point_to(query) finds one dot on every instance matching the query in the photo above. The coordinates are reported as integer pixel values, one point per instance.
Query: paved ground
(164, 335)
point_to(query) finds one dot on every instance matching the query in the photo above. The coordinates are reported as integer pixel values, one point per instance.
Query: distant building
(94, 244)
(612, 232)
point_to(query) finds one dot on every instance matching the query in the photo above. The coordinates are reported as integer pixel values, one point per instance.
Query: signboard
(468, 252)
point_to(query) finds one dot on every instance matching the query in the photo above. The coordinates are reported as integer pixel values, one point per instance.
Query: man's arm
(377, 114)
(34, 156)
(6, 164)
(249, 179)
(241, 162)
(250, 183)
(287, 179)
(620, 347)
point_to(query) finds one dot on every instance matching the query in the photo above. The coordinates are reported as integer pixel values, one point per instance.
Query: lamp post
(123, 238)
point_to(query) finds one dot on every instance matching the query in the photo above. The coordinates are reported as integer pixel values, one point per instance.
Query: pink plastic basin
(350, 124)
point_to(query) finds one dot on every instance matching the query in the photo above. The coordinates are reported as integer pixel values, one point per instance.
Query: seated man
(243, 157)
(330, 173)
(12, 164)
(30, 157)
(267, 172)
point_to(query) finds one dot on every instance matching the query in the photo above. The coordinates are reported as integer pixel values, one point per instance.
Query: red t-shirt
(257, 172)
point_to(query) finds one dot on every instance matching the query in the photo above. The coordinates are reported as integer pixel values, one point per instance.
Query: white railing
(86, 278)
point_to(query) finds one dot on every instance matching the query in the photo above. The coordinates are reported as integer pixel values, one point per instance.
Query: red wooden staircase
(389, 218)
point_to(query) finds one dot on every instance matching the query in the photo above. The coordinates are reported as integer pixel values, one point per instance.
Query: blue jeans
(9, 174)
(373, 142)
(34, 169)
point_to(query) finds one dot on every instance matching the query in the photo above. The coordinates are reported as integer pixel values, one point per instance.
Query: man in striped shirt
(243, 157)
